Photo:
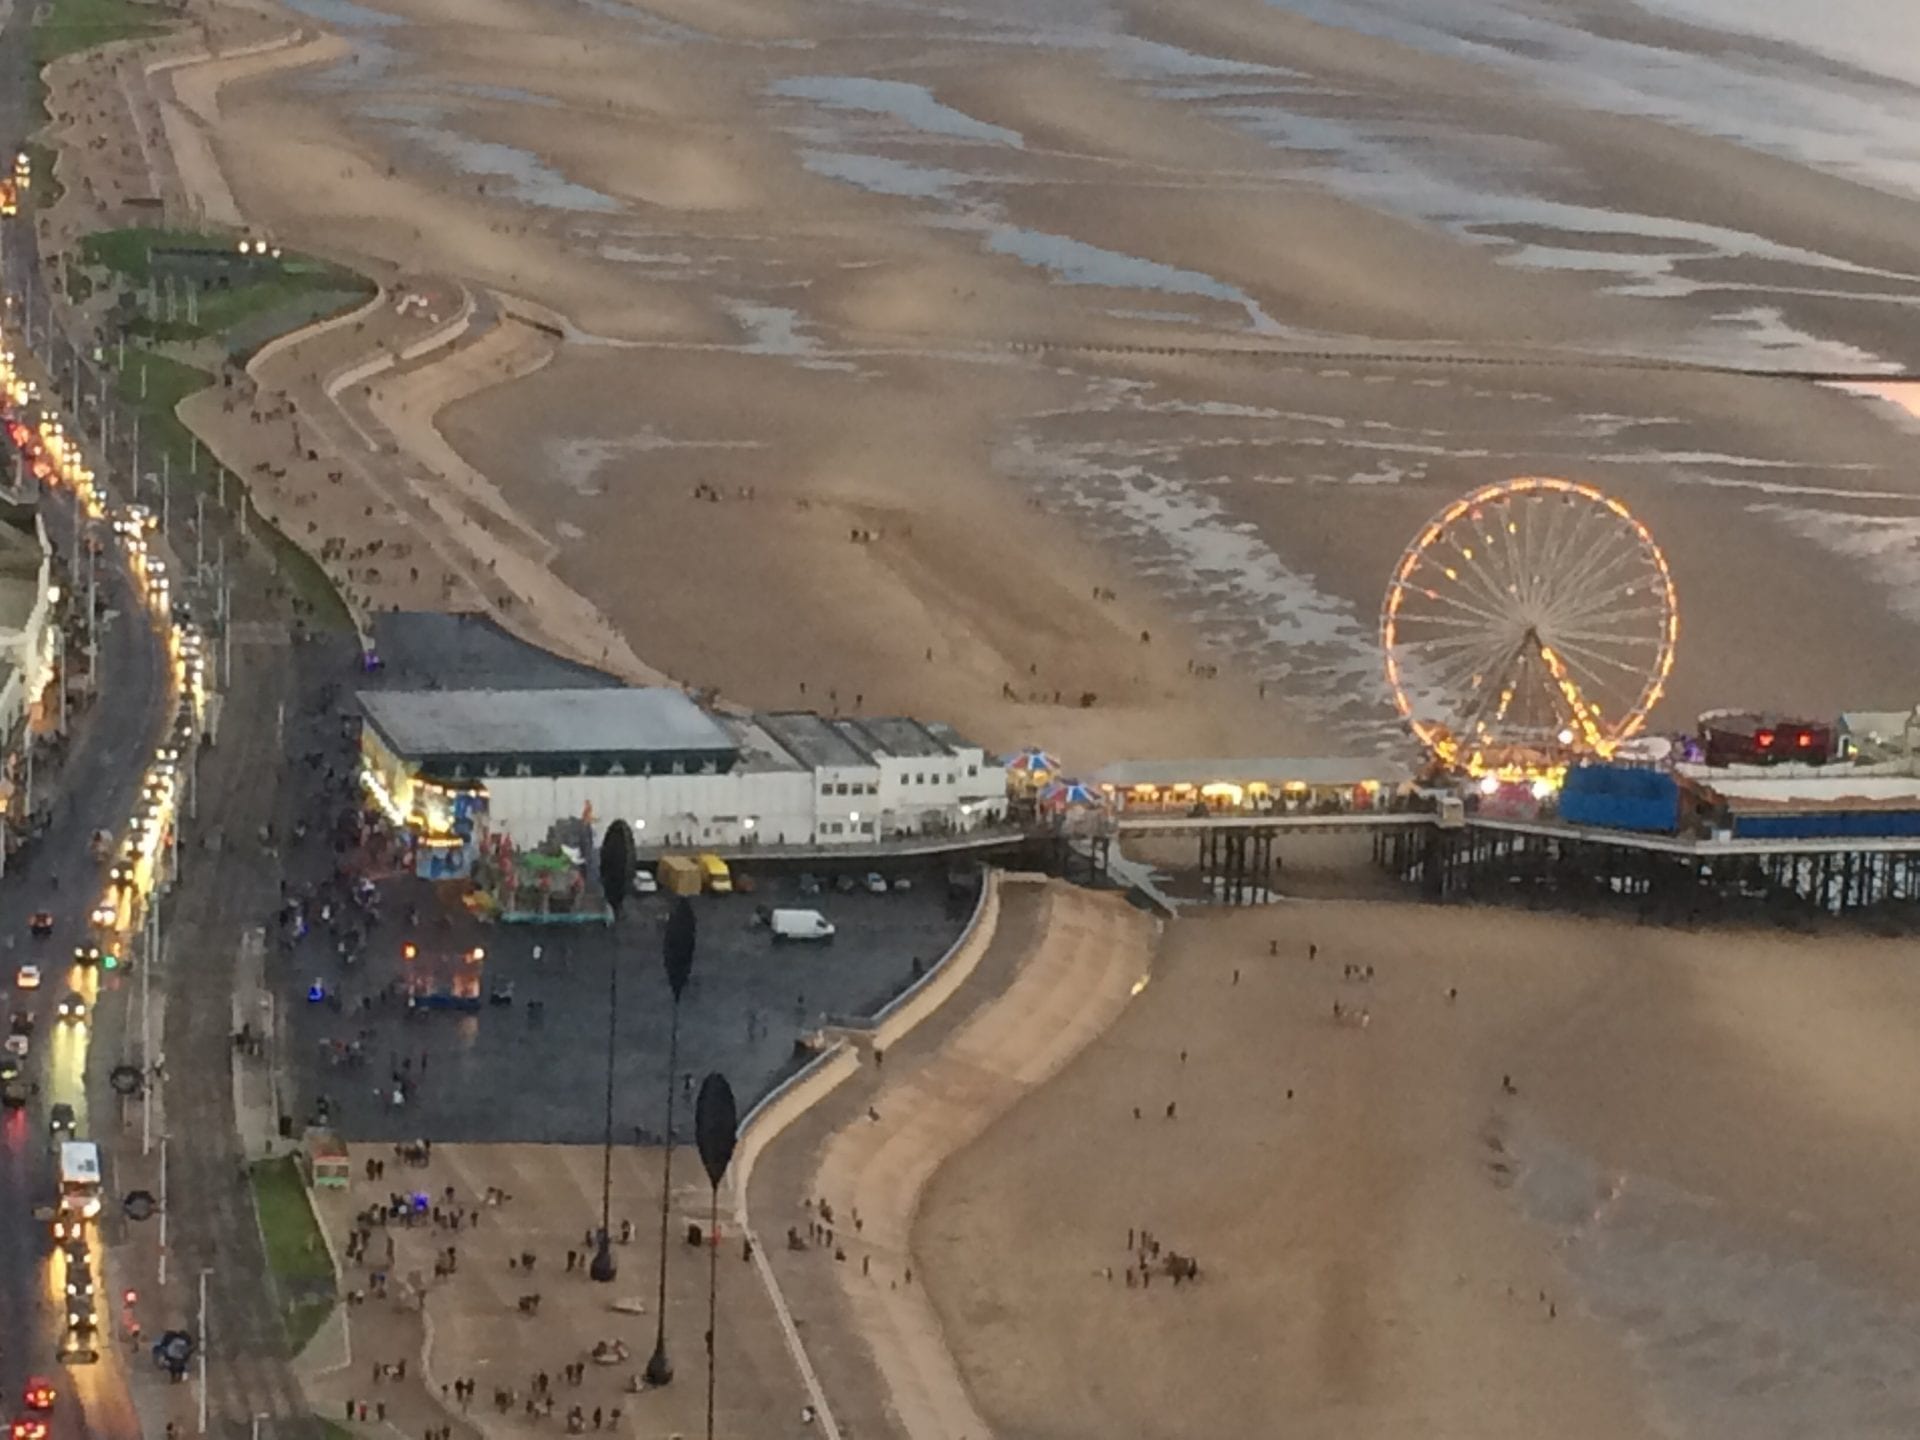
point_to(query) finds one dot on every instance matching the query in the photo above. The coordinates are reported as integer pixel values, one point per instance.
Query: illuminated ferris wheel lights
(1529, 626)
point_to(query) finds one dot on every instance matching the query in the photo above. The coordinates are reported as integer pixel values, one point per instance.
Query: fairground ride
(1530, 624)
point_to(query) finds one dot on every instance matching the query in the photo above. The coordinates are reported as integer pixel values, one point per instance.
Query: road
(211, 1215)
(97, 789)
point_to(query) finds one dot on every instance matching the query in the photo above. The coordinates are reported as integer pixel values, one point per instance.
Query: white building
(516, 762)
(27, 638)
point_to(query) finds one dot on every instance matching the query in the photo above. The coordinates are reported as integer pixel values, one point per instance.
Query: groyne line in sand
(1414, 358)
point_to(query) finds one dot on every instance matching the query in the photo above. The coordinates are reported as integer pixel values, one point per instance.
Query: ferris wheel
(1529, 622)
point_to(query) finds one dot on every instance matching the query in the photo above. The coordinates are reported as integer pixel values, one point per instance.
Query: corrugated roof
(900, 738)
(814, 740)
(422, 723)
(1272, 772)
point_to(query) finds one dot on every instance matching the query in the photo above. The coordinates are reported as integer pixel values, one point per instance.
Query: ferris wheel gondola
(1529, 623)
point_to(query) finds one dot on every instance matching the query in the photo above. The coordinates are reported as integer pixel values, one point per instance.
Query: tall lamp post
(616, 879)
(716, 1126)
(678, 954)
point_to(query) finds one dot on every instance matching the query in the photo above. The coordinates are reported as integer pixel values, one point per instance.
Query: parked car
(645, 882)
(845, 884)
(41, 924)
(876, 883)
(809, 883)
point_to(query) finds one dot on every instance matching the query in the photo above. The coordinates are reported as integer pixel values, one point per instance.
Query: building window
(972, 770)
(866, 827)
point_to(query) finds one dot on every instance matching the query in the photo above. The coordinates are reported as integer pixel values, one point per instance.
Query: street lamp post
(616, 879)
(716, 1127)
(678, 955)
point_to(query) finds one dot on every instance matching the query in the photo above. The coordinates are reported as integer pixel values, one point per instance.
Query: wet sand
(1687, 1220)
(809, 255)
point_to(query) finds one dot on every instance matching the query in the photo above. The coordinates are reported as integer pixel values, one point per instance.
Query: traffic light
(109, 962)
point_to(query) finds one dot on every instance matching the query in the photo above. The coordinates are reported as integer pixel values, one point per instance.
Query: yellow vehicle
(9, 197)
(680, 874)
(719, 878)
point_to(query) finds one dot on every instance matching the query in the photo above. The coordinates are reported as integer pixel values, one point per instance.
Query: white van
(799, 925)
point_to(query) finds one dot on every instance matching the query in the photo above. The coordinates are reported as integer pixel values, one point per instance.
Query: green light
(112, 962)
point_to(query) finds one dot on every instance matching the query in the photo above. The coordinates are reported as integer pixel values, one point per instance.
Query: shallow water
(529, 179)
(912, 105)
(1737, 1339)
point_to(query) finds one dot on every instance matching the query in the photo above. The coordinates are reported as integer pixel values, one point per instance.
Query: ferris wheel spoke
(1599, 596)
(1579, 658)
(1510, 545)
(1455, 667)
(1455, 675)
(1500, 599)
(1605, 604)
(1564, 524)
(1479, 612)
(1587, 569)
(1643, 636)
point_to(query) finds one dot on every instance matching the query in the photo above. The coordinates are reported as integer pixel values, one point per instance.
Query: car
(15, 1093)
(80, 1313)
(744, 883)
(809, 883)
(29, 1427)
(19, 1045)
(902, 885)
(80, 1284)
(27, 977)
(845, 884)
(39, 1394)
(21, 1022)
(9, 1067)
(41, 924)
(876, 883)
(60, 1120)
(73, 1006)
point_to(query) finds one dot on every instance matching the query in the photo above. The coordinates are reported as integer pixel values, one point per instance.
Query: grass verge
(240, 303)
(70, 26)
(296, 1251)
(162, 432)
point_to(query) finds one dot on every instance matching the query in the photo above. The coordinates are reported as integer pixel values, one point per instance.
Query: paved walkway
(468, 1325)
(1061, 966)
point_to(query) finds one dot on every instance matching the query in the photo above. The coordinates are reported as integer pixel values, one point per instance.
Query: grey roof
(423, 723)
(429, 650)
(949, 737)
(1274, 772)
(759, 751)
(899, 737)
(813, 740)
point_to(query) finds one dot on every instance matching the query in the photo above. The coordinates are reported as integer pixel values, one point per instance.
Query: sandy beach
(1016, 366)
(1684, 1219)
